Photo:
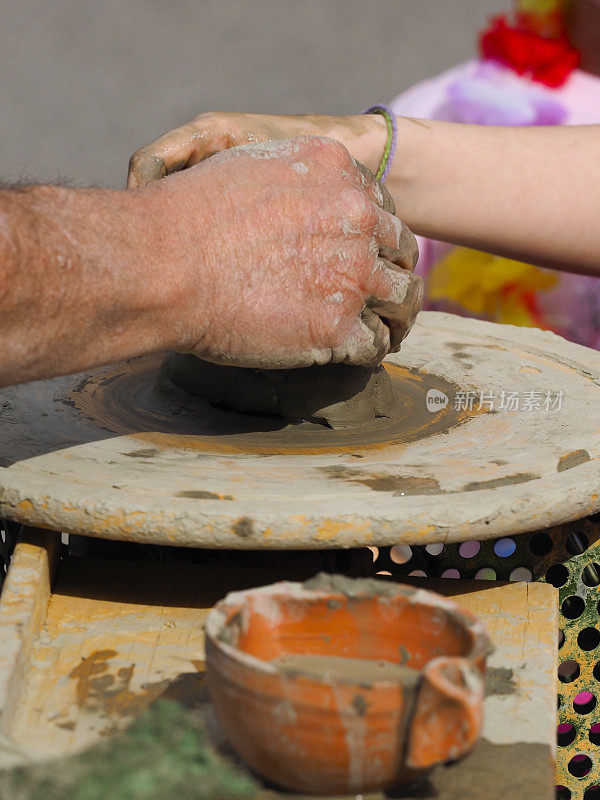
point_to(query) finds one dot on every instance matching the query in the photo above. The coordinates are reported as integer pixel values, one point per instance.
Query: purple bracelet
(392, 137)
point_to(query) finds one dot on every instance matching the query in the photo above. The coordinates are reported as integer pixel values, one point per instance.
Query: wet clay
(337, 395)
(354, 587)
(338, 668)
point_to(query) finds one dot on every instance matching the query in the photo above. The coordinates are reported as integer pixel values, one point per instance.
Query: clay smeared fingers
(374, 188)
(400, 328)
(150, 168)
(367, 343)
(396, 241)
(169, 153)
(396, 297)
(172, 152)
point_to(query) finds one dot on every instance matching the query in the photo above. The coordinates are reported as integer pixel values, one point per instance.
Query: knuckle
(414, 248)
(391, 240)
(336, 151)
(388, 201)
(211, 122)
(309, 144)
(328, 151)
(355, 207)
(206, 116)
(366, 213)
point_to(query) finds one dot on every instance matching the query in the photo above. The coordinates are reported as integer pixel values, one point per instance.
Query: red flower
(549, 61)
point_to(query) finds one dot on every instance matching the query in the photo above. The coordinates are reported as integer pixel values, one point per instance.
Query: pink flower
(493, 95)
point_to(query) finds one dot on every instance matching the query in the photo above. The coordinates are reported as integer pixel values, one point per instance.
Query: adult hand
(363, 135)
(288, 255)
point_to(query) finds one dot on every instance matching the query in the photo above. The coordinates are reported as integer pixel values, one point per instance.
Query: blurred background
(83, 84)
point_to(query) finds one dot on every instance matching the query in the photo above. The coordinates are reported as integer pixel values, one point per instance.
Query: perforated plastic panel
(568, 557)
(8, 538)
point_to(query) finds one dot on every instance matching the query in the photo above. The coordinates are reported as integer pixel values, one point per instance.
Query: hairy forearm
(527, 193)
(78, 281)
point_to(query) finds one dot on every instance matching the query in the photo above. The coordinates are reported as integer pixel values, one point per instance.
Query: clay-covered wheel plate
(496, 433)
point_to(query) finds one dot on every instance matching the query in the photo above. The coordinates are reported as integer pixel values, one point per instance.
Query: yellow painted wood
(522, 621)
(116, 635)
(23, 606)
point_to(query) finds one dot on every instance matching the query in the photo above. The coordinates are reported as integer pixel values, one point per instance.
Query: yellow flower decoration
(541, 6)
(489, 286)
(545, 17)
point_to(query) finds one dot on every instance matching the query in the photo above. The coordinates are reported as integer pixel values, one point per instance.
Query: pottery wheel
(112, 454)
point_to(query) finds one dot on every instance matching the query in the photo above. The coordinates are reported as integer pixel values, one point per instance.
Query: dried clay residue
(361, 671)
(495, 483)
(573, 459)
(100, 689)
(397, 485)
(499, 681)
(355, 587)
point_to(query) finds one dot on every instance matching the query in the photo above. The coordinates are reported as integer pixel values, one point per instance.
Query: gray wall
(86, 82)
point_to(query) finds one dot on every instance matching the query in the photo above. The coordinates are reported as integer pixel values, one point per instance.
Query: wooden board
(80, 660)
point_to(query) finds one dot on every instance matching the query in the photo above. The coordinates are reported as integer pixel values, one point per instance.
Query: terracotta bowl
(306, 726)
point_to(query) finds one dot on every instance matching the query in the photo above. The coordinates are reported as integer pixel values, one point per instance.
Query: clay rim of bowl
(233, 602)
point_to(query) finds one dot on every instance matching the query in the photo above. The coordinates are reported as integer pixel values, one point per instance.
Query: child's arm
(527, 193)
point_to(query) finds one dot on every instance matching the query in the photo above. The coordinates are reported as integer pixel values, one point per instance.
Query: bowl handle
(448, 713)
